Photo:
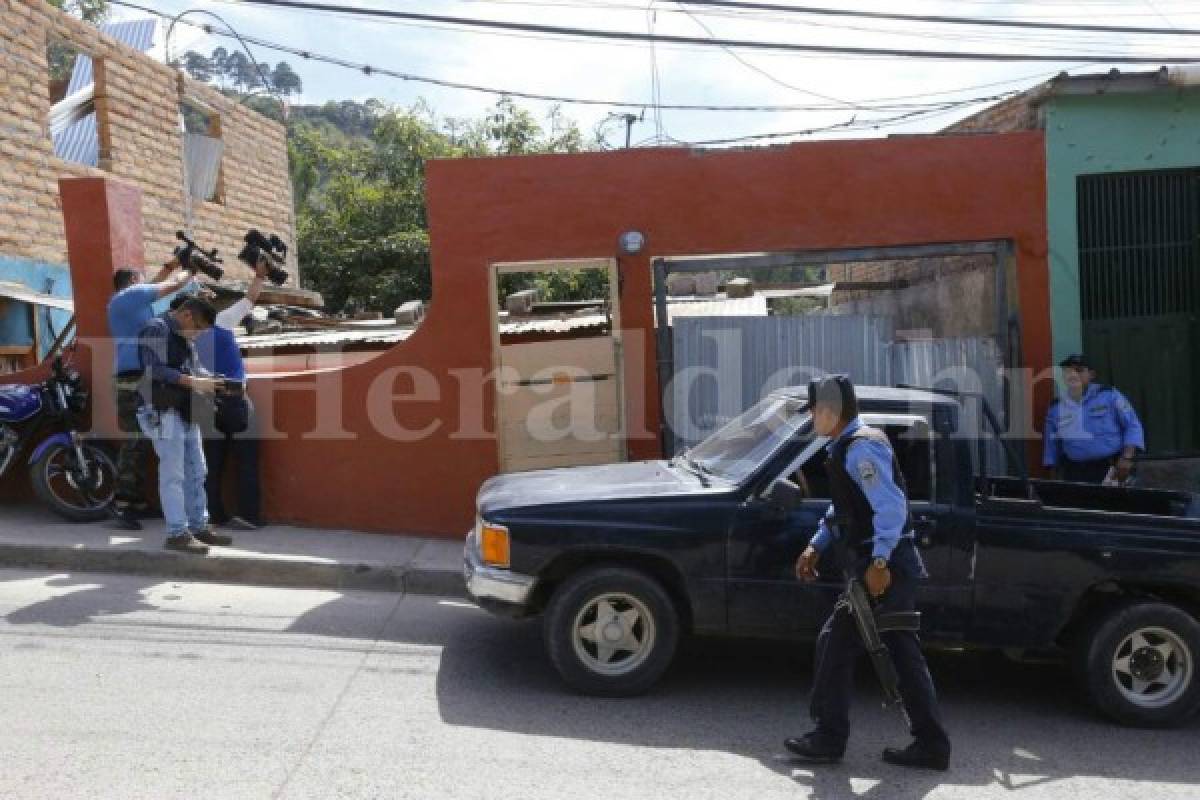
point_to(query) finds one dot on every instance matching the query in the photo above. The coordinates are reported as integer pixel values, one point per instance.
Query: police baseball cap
(1076, 360)
(836, 392)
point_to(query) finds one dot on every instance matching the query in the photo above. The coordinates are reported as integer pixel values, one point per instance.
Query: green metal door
(1139, 287)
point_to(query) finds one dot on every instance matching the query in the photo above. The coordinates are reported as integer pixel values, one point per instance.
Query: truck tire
(1139, 664)
(611, 631)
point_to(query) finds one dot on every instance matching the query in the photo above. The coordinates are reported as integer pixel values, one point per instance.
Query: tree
(93, 11)
(361, 226)
(285, 79)
(220, 66)
(198, 65)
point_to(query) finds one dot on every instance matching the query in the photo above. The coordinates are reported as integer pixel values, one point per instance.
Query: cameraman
(170, 373)
(218, 352)
(131, 307)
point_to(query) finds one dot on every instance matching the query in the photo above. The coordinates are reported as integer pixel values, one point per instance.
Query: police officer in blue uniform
(1090, 429)
(868, 492)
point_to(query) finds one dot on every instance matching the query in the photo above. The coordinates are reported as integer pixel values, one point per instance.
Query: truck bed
(1061, 494)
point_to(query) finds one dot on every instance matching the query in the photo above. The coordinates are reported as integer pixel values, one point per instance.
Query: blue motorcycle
(72, 475)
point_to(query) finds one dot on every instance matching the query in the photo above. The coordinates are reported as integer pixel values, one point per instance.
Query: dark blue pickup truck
(624, 559)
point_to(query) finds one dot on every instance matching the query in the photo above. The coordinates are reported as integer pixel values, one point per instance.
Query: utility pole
(629, 120)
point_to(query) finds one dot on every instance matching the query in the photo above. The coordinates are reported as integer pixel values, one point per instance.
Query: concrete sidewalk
(274, 556)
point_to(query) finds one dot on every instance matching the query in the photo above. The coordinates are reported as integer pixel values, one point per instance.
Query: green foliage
(362, 231)
(93, 11)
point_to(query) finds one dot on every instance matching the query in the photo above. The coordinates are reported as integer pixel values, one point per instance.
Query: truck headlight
(494, 545)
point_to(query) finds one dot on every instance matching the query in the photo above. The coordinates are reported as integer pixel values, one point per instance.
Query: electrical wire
(592, 33)
(974, 21)
(736, 56)
(368, 69)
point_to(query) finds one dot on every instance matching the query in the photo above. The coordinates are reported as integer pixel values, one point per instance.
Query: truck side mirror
(784, 495)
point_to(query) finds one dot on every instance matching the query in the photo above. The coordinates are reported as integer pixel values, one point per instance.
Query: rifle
(871, 623)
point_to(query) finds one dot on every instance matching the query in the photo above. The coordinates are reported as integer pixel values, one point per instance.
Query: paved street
(135, 687)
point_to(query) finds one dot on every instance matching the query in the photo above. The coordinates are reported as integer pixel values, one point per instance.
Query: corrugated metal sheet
(720, 306)
(79, 142)
(17, 291)
(202, 162)
(725, 365)
(523, 325)
(269, 341)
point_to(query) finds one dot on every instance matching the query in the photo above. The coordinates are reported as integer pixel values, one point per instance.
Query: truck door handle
(924, 531)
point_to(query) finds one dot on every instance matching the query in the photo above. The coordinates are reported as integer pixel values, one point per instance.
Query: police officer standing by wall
(1091, 429)
(868, 492)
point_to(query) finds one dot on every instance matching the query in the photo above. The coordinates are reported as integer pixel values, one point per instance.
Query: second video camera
(194, 259)
(270, 247)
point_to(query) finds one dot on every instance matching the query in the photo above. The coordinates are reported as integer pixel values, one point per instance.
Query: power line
(738, 57)
(974, 21)
(591, 33)
(368, 69)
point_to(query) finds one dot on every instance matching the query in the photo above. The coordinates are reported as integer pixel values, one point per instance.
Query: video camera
(270, 247)
(194, 259)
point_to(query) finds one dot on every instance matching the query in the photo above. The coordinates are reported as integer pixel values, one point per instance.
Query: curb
(235, 569)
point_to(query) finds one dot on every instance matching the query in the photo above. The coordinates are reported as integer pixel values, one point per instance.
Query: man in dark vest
(869, 498)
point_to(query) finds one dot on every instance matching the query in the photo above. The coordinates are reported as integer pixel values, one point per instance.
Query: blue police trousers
(839, 648)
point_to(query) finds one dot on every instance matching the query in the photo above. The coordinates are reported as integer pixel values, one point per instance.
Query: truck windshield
(746, 442)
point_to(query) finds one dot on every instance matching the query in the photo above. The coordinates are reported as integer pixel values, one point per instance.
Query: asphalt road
(128, 687)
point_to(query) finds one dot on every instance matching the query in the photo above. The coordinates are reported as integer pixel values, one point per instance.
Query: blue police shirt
(1099, 425)
(128, 311)
(870, 465)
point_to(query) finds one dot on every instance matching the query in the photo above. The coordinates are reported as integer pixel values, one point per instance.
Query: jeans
(839, 647)
(181, 469)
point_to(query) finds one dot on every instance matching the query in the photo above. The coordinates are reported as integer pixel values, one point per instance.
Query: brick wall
(137, 108)
(1017, 113)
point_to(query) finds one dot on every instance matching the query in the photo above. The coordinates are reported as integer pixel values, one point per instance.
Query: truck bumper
(498, 590)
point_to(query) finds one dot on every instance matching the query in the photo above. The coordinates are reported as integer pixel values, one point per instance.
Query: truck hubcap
(613, 634)
(1152, 667)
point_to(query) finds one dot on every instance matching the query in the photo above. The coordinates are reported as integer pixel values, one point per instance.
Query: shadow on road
(78, 606)
(1014, 726)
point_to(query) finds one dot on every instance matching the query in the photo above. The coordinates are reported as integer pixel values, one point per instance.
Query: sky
(637, 72)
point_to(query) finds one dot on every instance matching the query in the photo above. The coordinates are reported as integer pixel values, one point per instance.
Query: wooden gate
(559, 401)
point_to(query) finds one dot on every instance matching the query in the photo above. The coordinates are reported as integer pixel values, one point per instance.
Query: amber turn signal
(493, 545)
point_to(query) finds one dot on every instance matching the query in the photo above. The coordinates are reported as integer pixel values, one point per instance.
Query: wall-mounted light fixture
(630, 243)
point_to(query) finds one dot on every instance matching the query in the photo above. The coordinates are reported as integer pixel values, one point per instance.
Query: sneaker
(208, 536)
(241, 524)
(186, 543)
(124, 517)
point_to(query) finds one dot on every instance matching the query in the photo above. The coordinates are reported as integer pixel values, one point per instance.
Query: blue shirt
(1099, 425)
(217, 350)
(128, 311)
(870, 465)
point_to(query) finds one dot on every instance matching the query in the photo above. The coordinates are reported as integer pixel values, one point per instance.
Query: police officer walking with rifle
(869, 525)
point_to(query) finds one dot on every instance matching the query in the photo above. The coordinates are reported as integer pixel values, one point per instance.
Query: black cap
(836, 391)
(1077, 360)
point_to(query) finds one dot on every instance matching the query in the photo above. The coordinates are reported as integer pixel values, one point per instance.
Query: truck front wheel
(1139, 664)
(611, 631)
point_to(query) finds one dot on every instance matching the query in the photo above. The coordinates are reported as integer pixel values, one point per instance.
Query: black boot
(813, 748)
(921, 755)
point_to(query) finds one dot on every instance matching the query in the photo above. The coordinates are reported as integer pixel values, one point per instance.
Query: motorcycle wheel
(56, 482)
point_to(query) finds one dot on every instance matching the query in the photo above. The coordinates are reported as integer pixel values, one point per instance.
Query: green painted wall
(1092, 134)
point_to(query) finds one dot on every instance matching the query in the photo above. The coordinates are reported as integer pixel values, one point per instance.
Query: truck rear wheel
(611, 631)
(1140, 664)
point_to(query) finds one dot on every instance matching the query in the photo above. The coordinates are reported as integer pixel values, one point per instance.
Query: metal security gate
(713, 368)
(1139, 288)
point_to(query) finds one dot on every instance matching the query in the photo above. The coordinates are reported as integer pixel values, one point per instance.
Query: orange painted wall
(907, 190)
